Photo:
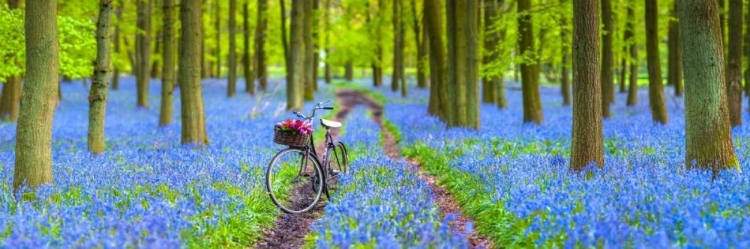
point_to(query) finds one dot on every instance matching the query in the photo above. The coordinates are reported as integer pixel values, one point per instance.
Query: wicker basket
(289, 139)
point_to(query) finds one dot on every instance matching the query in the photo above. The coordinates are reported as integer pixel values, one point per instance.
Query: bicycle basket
(290, 139)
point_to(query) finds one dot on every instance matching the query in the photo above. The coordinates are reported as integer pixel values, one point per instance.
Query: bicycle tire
(292, 195)
(338, 165)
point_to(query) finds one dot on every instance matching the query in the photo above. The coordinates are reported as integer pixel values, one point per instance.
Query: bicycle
(288, 173)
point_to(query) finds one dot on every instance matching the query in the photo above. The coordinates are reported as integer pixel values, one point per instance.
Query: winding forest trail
(290, 230)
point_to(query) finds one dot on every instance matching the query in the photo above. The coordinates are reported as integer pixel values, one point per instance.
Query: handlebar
(317, 106)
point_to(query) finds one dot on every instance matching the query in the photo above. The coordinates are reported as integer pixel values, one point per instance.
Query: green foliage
(12, 53)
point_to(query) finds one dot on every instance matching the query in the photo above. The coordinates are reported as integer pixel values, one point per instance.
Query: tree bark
(168, 71)
(674, 76)
(295, 87)
(439, 90)
(532, 104)
(587, 145)
(655, 85)
(421, 46)
(261, 70)
(33, 164)
(633, 57)
(217, 27)
(734, 67)
(707, 126)
(191, 95)
(377, 67)
(100, 84)
(309, 88)
(327, 22)
(285, 43)
(249, 61)
(232, 81)
(116, 74)
(747, 51)
(489, 94)
(607, 58)
(398, 46)
(315, 44)
(155, 67)
(143, 55)
(349, 71)
(565, 79)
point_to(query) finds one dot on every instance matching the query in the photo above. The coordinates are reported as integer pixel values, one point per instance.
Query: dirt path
(443, 199)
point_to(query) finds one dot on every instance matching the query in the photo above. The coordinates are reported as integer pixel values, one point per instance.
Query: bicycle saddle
(330, 123)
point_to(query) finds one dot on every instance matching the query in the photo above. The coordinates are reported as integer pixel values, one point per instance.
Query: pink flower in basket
(293, 126)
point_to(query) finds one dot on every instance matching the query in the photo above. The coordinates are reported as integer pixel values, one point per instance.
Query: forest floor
(290, 230)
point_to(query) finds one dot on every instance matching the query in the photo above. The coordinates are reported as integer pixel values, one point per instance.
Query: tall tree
(633, 57)
(116, 73)
(326, 44)
(734, 67)
(285, 43)
(100, 84)
(247, 60)
(143, 54)
(565, 79)
(532, 103)
(747, 51)
(707, 126)
(607, 58)
(11, 94)
(217, 27)
(295, 86)
(307, 69)
(462, 63)
(261, 70)
(168, 71)
(376, 64)
(419, 37)
(191, 95)
(349, 71)
(232, 81)
(438, 104)
(33, 165)
(587, 145)
(398, 46)
(489, 82)
(655, 85)
(315, 44)
(674, 63)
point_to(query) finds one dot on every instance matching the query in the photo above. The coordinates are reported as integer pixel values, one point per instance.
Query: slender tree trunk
(462, 63)
(155, 67)
(143, 55)
(473, 18)
(633, 56)
(285, 42)
(502, 103)
(723, 23)
(532, 104)
(249, 60)
(295, 87)
(398, 46)
(587, 145)
(734, 67)
(116, 74)
(11, 96)
(168, 71)
(349, 71)
(707, 125)
(421, 46)
(565, 79)
(623, 70)
(100, 84)
(674, 76)
(217, 27)
(232, 81)
(607, 58)
(191, 95)
(315, 44)
(260, 44)
(655, 85)
(33, 164)
(439, 89)
(327, 22)
(309, 89)
(489, 94)
(747, 51)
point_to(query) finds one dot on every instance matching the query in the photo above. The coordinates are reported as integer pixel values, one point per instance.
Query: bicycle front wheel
(294, 181)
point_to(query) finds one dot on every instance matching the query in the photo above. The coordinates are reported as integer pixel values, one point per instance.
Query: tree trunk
(489, 94)
(327, 22)
(587, 145)
(623, 70)
(33, 164)
(191, 95)
(349, 71)
(249, 61)
(734, 67)
(655, 85)
(315, 46)
(747, 51)
(674, 76)
(217, 27)
(532, 104)
(723, 23)
(421, 46)
(261, 70)
(565, 79)
(377, 68)
(100, 84)
(232, 81)
(462, 63)
(633, 50)
(285, 42)
(607, 60)
(155, 67)
(473, 18)
(707, 126)
(9, 101)
(143, 55)
(309, 53)
(295, 87)
(116, 74)
(439, 89)
(168, 71)
(398, 46)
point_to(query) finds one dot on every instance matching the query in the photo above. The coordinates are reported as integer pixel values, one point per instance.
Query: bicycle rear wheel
(338, 164)
(294, 181)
